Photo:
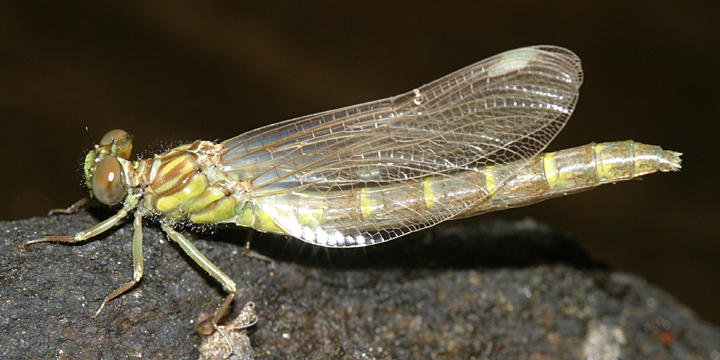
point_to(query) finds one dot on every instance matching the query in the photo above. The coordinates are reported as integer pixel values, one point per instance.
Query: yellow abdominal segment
(428, 192)
(366, 202)
(490, 183)
(552, 176)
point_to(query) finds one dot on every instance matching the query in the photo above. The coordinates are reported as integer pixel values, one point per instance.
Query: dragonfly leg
(72, 208)
(227, 283)
(247, 251)
(137, 262)
(88, 233)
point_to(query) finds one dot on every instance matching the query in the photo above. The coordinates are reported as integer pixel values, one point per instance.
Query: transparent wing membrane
(503, 109)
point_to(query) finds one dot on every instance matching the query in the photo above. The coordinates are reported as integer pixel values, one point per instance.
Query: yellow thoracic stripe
(219, 210)
(203, 200)
(178, 167)
(192, 189)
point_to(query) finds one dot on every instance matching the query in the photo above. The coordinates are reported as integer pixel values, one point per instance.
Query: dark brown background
(182, 71)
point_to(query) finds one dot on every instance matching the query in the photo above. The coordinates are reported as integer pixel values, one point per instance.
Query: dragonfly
(468, 143)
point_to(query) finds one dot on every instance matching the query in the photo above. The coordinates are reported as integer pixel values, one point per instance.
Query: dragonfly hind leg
(200, 259)
(247, 251)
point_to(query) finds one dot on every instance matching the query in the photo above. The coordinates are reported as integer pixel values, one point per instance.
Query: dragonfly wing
(502, 109)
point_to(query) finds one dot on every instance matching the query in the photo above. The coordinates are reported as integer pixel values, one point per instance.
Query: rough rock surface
(479, 289)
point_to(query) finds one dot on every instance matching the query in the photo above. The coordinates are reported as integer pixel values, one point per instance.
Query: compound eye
(107, 182)
(120, 140)
(113, 136)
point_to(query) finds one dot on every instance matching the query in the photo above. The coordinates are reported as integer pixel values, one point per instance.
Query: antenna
(87, 131)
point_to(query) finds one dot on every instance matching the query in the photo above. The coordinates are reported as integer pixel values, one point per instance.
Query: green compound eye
(121, 142)
(107, 183)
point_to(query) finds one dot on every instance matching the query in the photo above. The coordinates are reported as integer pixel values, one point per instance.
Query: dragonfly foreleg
(90, 232)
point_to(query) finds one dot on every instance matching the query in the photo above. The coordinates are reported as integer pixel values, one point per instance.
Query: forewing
(502, 109)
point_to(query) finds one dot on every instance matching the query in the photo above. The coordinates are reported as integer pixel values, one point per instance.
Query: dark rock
(480, 289)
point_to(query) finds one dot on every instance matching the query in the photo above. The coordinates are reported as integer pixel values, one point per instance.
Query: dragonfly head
(104, 175)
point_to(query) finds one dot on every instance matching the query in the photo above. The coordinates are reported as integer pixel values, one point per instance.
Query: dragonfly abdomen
(577, 169)
(424, 201)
